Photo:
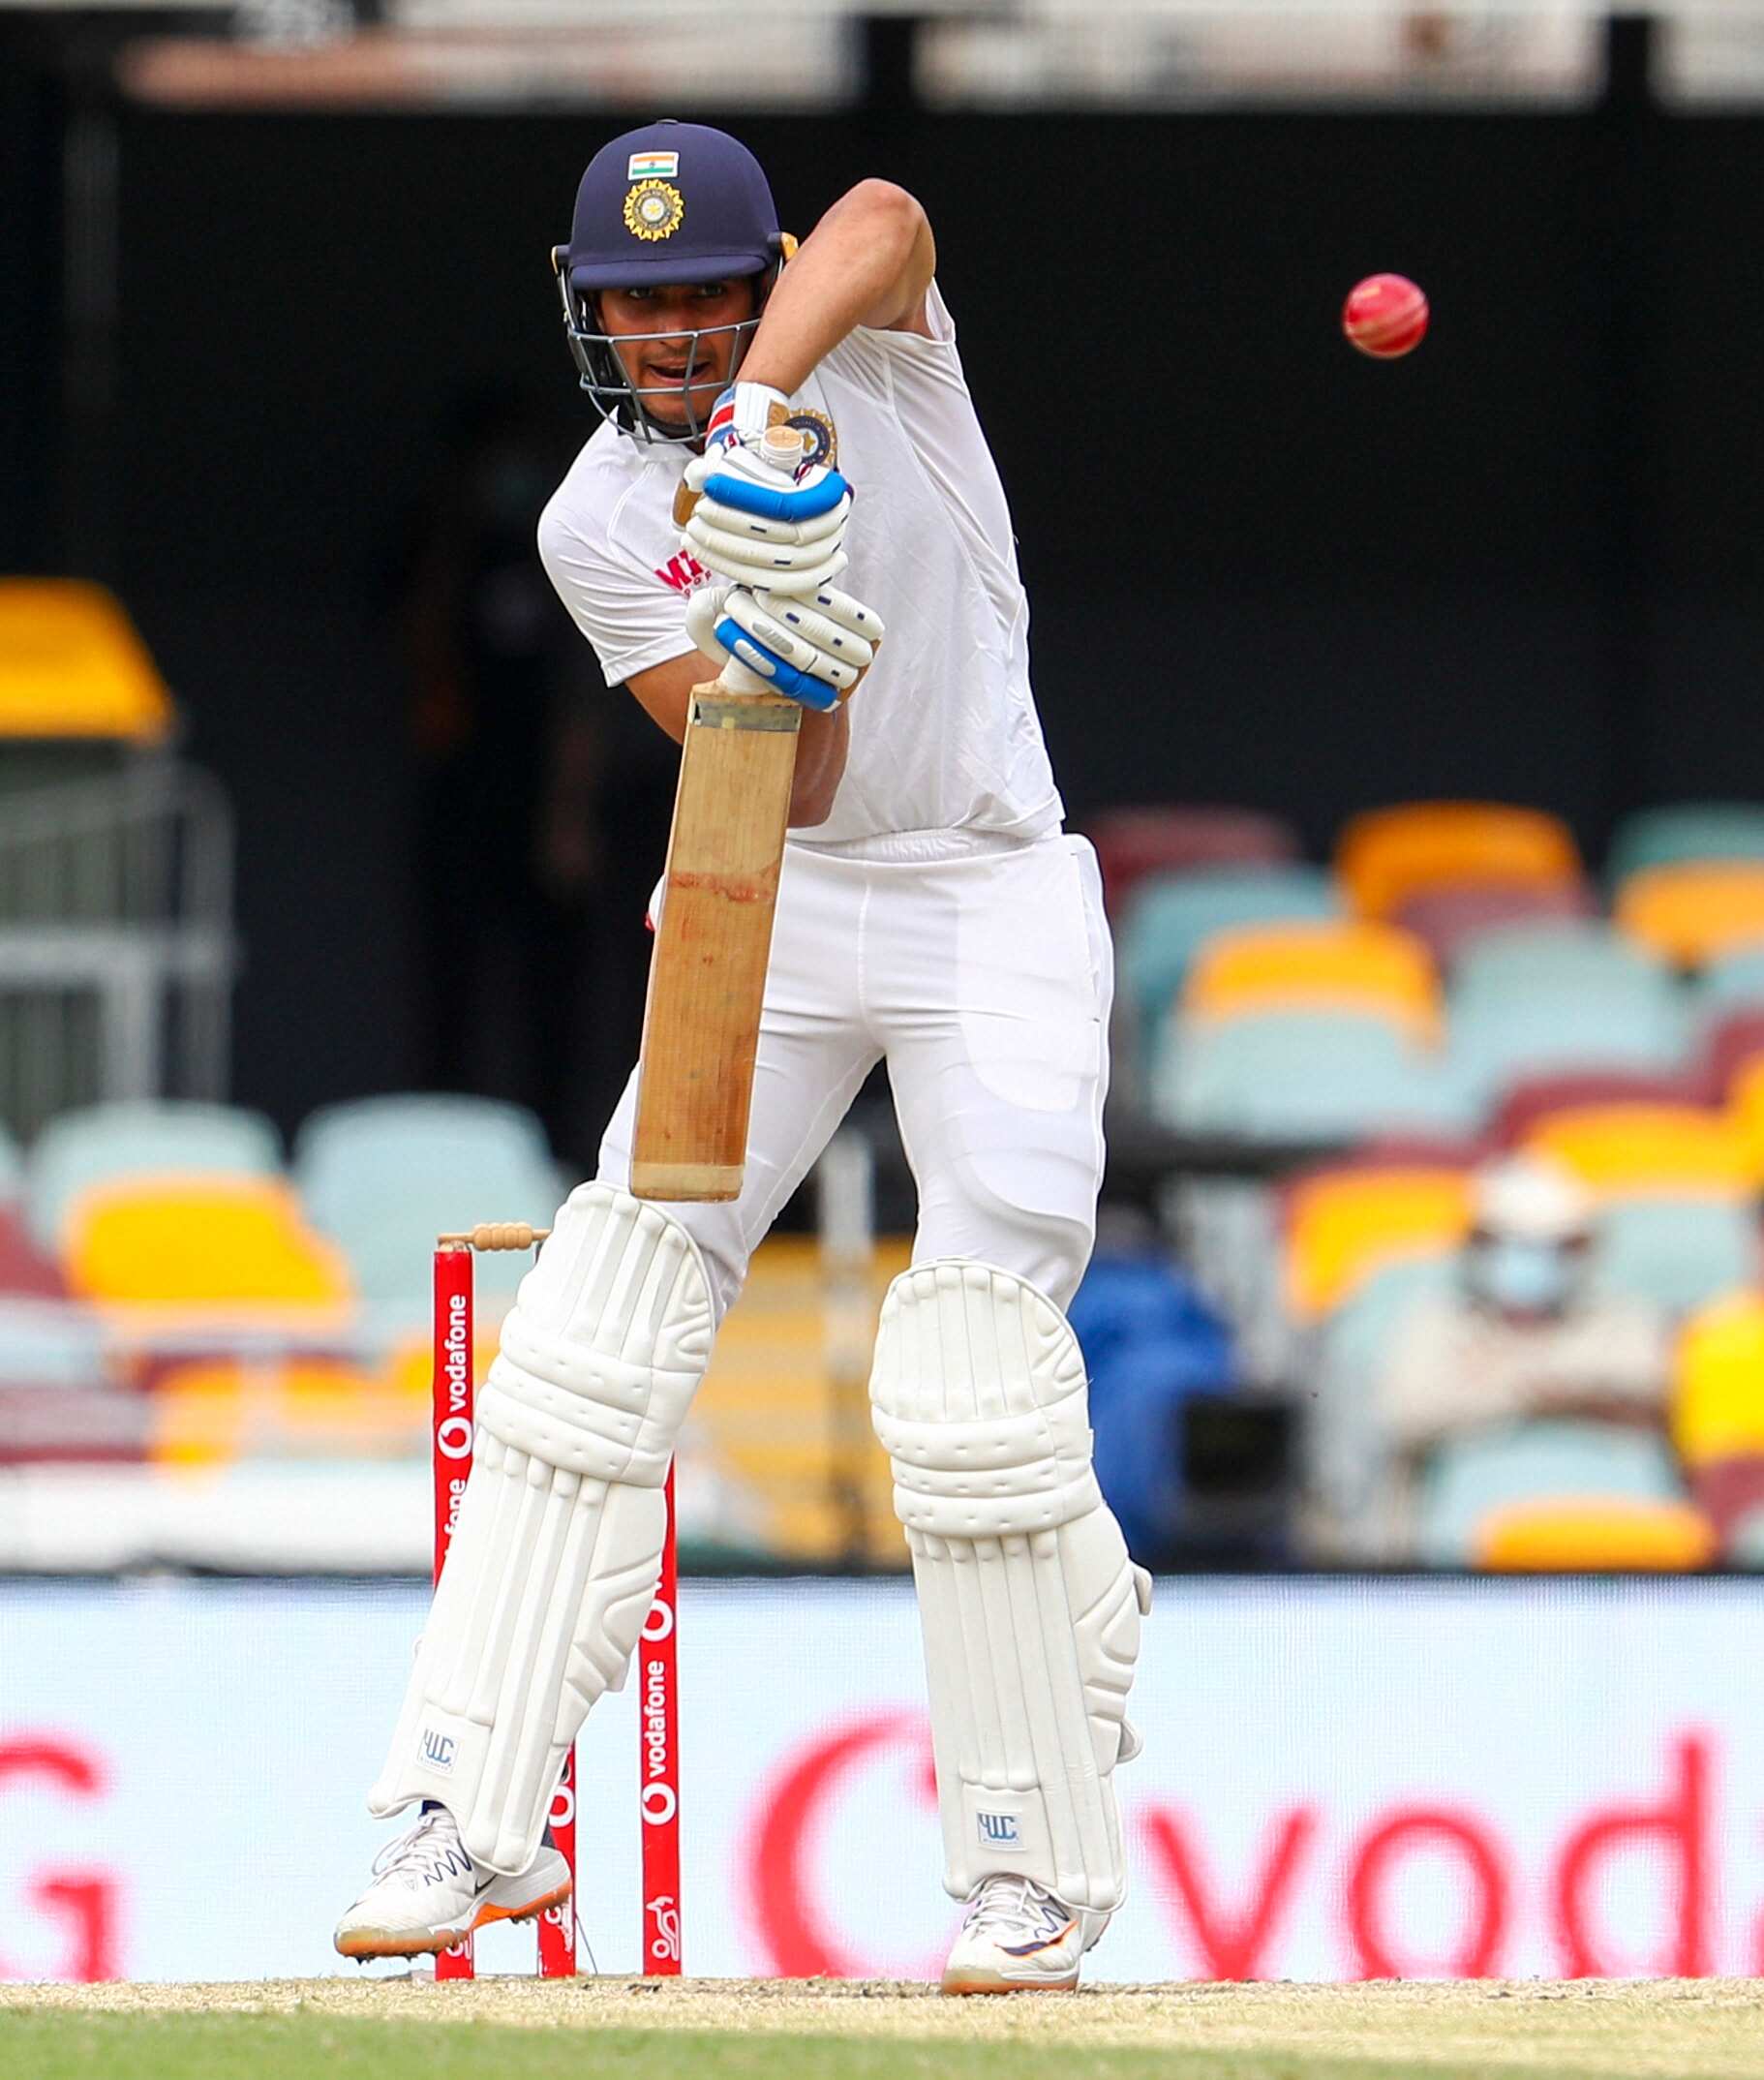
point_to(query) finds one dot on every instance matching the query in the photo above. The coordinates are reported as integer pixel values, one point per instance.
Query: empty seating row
(1343, 1226)
(183, 1204)
(1391, 857)
(1385, 1041)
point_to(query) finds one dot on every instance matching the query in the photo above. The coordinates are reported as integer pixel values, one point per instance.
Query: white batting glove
(754, 524)
(815, 649)
(757, 527)
(743, 412)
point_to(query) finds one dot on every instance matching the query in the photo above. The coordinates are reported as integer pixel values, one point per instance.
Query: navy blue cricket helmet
(672, 202)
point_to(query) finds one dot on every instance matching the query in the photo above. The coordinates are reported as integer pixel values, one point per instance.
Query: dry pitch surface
(1678, 2029)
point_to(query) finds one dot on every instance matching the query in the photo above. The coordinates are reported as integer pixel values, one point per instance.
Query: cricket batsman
(931, 914)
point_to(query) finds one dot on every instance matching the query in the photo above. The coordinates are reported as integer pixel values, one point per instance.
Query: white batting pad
(1029, 1603)
(558, 1548)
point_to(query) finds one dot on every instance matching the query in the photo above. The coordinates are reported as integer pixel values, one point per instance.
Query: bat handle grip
(735, 677)
(783, 447)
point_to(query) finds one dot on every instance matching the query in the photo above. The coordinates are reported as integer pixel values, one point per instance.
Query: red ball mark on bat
(726, 885)
(1385, 316)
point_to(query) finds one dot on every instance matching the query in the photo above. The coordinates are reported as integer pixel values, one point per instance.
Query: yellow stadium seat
(1648, 1151)
(71, 666)
(1621, 1533)
(1325, 965)
(1692, 912)
(1717, 1387)
(1391, 854)
(408, 1369)
(1746, 1110)
(770, 1407)
(1345, 1225)
(199, 1243)
(302, 1408)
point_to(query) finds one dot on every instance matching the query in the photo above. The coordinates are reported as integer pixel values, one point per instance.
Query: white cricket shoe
(1017, 1936)
(428, 1894)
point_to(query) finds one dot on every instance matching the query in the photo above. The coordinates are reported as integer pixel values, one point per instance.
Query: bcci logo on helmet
(654, 210)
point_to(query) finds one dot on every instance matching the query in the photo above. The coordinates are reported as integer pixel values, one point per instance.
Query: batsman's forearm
(866, 262)
(821, 746)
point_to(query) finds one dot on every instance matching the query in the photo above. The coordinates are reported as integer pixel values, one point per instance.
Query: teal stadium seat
(1571, 951)
(1674, 1253)
(1744, 1544)
(1169, 915)
(140, 1137)
(49, 1343)
(1300, 1076)
(1685, 831)
(383, 1176)
(1534, 1462)
(1567, 996)
(1731, 981)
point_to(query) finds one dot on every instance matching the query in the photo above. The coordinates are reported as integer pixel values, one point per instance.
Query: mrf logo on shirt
(683, 572)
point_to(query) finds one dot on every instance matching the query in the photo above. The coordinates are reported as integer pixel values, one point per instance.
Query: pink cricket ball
(1385, 316)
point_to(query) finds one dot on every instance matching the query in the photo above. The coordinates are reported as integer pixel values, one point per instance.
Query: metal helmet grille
(610, 389)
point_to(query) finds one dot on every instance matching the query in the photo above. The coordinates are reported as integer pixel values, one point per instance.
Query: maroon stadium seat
(1448, 918)
(1417, 1152)
(1523, 1104)
(1728, 1489)
(1383, 1151)
(1134, 842)
(23, 1268)
(1731, 1043)
(61, 1425)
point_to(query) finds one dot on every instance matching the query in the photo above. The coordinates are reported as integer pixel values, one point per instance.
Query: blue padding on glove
(762, 503)
(782, 676)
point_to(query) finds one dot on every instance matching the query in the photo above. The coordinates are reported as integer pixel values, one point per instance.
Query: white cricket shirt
(944, 733)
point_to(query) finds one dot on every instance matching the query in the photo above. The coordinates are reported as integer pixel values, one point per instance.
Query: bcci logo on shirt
(822, 450)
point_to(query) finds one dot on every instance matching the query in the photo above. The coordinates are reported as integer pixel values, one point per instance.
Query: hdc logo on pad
(438, 1750)
(998, 1830)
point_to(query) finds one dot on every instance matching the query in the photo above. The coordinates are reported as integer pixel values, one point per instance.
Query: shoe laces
(1010, 1905)
(430, 1847)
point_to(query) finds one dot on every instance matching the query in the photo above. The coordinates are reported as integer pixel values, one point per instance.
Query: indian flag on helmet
(651, 166)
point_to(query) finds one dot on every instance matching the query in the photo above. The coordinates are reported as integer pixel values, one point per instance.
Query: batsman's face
(672, 368)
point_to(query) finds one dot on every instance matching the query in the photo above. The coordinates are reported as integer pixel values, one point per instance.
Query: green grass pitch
(719, 2029)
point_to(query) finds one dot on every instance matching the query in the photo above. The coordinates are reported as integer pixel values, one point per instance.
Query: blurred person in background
(931, 914)
(1524, 1338)
(507, 728)
(1151, 1342)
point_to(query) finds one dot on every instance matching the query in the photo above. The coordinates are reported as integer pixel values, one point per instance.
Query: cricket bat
(713, 936)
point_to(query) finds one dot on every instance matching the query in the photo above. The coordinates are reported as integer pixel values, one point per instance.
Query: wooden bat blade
(712, 943)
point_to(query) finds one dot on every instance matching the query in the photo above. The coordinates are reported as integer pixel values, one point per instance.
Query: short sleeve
(876, 359)
(632, 622)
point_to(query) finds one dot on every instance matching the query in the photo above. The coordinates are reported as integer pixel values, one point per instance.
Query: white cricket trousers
(984, 982)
